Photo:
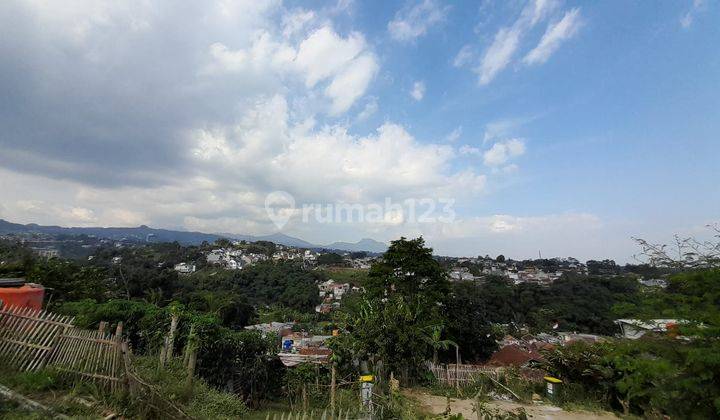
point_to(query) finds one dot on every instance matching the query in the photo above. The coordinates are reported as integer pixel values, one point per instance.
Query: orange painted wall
(27, 296)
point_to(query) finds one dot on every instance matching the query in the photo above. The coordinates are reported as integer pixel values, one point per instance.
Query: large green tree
(394, 326)
(408, 269)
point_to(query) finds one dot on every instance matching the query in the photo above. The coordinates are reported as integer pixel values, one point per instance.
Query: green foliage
(67, 280)
(279, 313)
(144, 324)
(15, 259)
(392, 327)
(393, 335)
(353, 276)
(224, 354)
(282, 282)
(205, 401)
(330, 258)
(408, 269)
(30, 382)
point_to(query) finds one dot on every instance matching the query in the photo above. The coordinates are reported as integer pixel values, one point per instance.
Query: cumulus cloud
(137, 112)
(454, 135)
(418, 91)
(371, 107)
(414, 21)
(390, 162)
(346, 63)
(296, 21)
(554, 36)
(106, 92)
(466, 149)
(501, 152)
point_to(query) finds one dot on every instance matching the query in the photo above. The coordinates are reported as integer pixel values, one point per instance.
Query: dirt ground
(438, 405)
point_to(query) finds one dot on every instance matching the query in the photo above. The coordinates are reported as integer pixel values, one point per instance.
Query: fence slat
(31, 339)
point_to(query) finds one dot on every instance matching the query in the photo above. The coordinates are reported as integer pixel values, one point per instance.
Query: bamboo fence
(32, 339)
(325, 414)
(455, 375)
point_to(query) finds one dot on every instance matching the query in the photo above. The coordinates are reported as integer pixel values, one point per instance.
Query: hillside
(145, 233)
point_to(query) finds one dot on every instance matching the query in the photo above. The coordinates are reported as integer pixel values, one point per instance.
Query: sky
(517, 127)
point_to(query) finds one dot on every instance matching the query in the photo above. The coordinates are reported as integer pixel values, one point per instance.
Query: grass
(354, 276)
(50, 389)
(202, 401)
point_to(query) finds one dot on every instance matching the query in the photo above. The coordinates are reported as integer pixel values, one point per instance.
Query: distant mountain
(139, 233)
(278, 238)
(142, 233)
(366, 244)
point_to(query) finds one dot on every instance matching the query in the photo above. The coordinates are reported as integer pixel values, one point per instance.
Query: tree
(434, 339)
(408, 269)
(686, 253)
(500, 258)
(391, 335)
(469, 321)
(330, 258)
(392, 327)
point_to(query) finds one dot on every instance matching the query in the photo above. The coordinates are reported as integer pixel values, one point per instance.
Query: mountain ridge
(142, 232)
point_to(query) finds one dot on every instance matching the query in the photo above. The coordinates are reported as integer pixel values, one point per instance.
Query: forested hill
(144, 233)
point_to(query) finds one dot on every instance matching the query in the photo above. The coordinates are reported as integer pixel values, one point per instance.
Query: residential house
(185, 268)
(636, 328)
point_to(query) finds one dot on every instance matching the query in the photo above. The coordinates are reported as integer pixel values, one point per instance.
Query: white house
(636, 328)
(185, 268)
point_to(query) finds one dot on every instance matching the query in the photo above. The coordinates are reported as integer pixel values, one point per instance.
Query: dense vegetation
(408, 313)
(679, 377)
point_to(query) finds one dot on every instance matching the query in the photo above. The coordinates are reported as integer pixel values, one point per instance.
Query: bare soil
(436, 404)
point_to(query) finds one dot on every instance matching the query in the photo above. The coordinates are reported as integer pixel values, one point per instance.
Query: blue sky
(556, 126)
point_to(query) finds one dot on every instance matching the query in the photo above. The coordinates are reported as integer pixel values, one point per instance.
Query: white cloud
(503, 224)
(464, 56)
(503, 128)
(508, 39)
(698, 6)
(501, 152)
(296, 21)
(368, 111)
(418, 90)
(554, 36)
(388, 163)
(499, 54)
(413, 22)
(351, 83)
(324, 53)
(345, 63)
(454, 135)
(466, 149)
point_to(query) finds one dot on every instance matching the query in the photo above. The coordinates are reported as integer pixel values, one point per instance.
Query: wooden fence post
(192, 360)
(305, 397)
(332, 387)
(117, 354)
(171, 337)
(457, 367)
(163, 352)
(191, 337)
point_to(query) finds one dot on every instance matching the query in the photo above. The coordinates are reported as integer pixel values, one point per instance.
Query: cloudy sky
(555, 126)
